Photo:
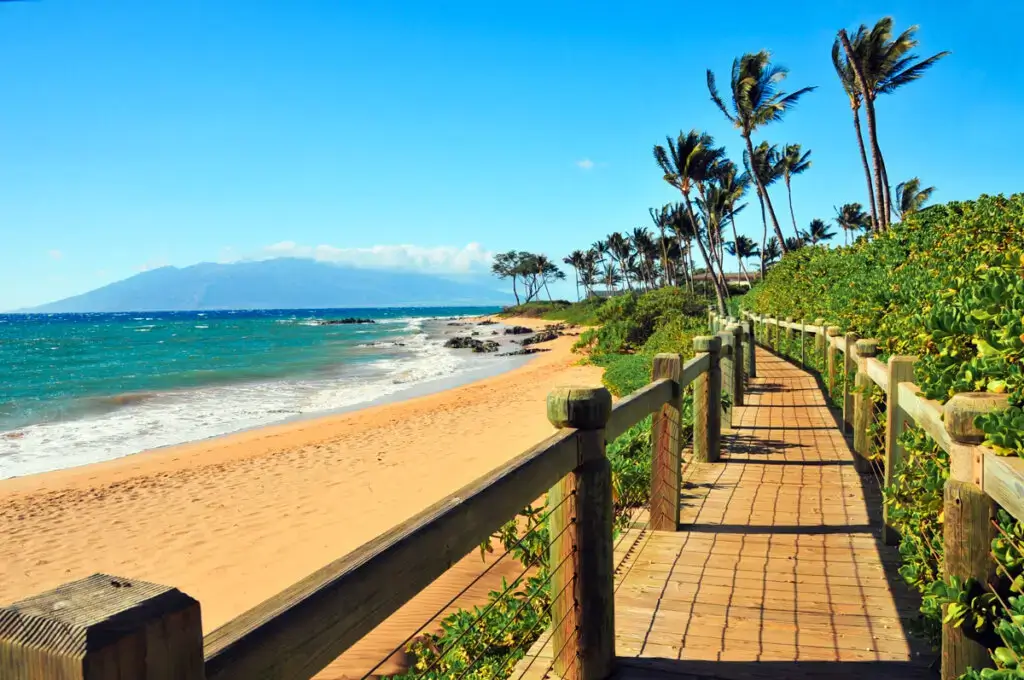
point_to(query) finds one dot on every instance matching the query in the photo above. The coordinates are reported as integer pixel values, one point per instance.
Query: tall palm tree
(849, 82)
(817, 232)
(910, 197)
(661, 219)
(690, 162)
(793, 243)
(646, 252)
(756, 101)
(742, 248)
(610, 276)
(575, 260)
(795, 161)
(852, 218)
(589, 272)
(620, 248)
(882, 64)
(766, 166)
(734, 186)
(686, 232)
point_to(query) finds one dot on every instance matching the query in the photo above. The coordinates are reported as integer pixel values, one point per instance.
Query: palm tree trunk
(514, 291)
(719, 294)
(876, 154)
(792, 215)
(762, 191)
(577, 275)
(885, 185)
(736, 242)
(864, 160)
(764, 236)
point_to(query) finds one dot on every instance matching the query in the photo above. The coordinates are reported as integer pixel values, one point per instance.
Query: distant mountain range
(283, 283)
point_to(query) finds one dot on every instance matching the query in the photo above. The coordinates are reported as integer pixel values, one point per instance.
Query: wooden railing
(106, 627)
(979, 479)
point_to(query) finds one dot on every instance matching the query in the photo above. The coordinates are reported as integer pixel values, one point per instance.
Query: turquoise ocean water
(78, 388)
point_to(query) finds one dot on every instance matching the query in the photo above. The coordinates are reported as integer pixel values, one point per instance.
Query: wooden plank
(297, 632)
(102, 628)
(926, 413)
(666, 448)
(694, 367)
(878, 372)
(632, 409)
(1003, 481)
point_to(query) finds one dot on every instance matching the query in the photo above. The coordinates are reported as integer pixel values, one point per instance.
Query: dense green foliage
(947, 285)
(583, 313)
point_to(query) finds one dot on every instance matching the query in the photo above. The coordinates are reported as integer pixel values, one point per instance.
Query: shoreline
(235, 519)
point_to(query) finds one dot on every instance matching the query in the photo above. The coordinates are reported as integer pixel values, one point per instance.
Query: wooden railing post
(738, 353)
(900, 369)
(667, 447)
(820, 339)
(583, 587)
(803, 344)
(830, 360)
(751, 346)
(789, 337)
(849, 365)
(103, 628)
(967, 525)
(728, 374)
(862, 406)
(707, 402)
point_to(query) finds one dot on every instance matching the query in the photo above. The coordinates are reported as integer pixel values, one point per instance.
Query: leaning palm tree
(734, 186)
(910, 197)
(646, 252)
(690, 162)
(575, 260)
(852, 219)
(756, 101)
(661, 219)
(765, 165)
(620, 248)
(794, 162)
(849, 82)
(817, 232)
(882, 64)
(742, 248)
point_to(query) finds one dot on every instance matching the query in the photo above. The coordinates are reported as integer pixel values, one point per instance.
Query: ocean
(81, 388)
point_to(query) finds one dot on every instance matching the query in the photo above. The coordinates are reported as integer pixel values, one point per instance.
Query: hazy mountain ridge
(283, 283)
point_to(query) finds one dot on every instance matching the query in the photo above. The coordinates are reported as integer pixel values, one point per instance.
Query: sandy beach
(233, 520)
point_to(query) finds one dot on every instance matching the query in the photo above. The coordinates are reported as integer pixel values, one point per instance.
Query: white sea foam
(178, 417)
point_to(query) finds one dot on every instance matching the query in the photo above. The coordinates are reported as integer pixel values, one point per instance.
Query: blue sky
(138, 134)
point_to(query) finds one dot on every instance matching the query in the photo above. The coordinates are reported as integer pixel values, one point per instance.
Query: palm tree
(588, 271)
(771, 252)
(610, 276)
(766, 165)
(794, 162)
(882, 64)
(910, 197)
(793, 243)
(685, 231)
(756, 101)
(661, 219)
(849, 82)
(734, 186)
(620, 248)
(817, 232)
(743, 248)
(646, 251)
(575, 260)
(852, 218)
(690, 162)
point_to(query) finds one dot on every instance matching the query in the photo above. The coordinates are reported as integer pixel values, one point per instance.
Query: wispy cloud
(152, 264)
(437, 259)
(55, 254)
(585, 164)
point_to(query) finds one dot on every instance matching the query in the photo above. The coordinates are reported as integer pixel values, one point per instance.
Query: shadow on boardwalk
(777, 570)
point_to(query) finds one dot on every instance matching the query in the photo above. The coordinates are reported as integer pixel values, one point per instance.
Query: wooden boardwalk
(778, 570)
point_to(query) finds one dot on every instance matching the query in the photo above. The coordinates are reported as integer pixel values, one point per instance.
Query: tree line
(712, 187)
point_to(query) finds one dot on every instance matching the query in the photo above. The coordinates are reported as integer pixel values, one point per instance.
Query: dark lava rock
(487, 322)
(486, 346)
(543, 336)
(522, 352)
(339, 322)
(473, 344)
(475, 333)
(518, 330)
(455, 323)
(494, 332)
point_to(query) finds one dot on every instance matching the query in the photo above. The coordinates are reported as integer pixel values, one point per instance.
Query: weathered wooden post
(862, 406)
(789, 336)
(849, 365)
(830, 359)
(803, 344)
(737, 363)
(820, 340)
(707, 401)
(103, 628)
(584, 601)
(900, 369)
(667, 448)
(751, 346)
(967, 524)
(728, 375)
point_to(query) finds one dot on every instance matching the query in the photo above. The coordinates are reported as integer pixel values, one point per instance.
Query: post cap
(736, 330)
(789, 319)
(583, 408)
(960, 411)
(833, 331)
(707, 343)
(819, 321)
(867, 347)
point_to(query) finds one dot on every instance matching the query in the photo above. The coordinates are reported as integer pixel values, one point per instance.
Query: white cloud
(437, 259)
(55, 254)
(585, 164)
